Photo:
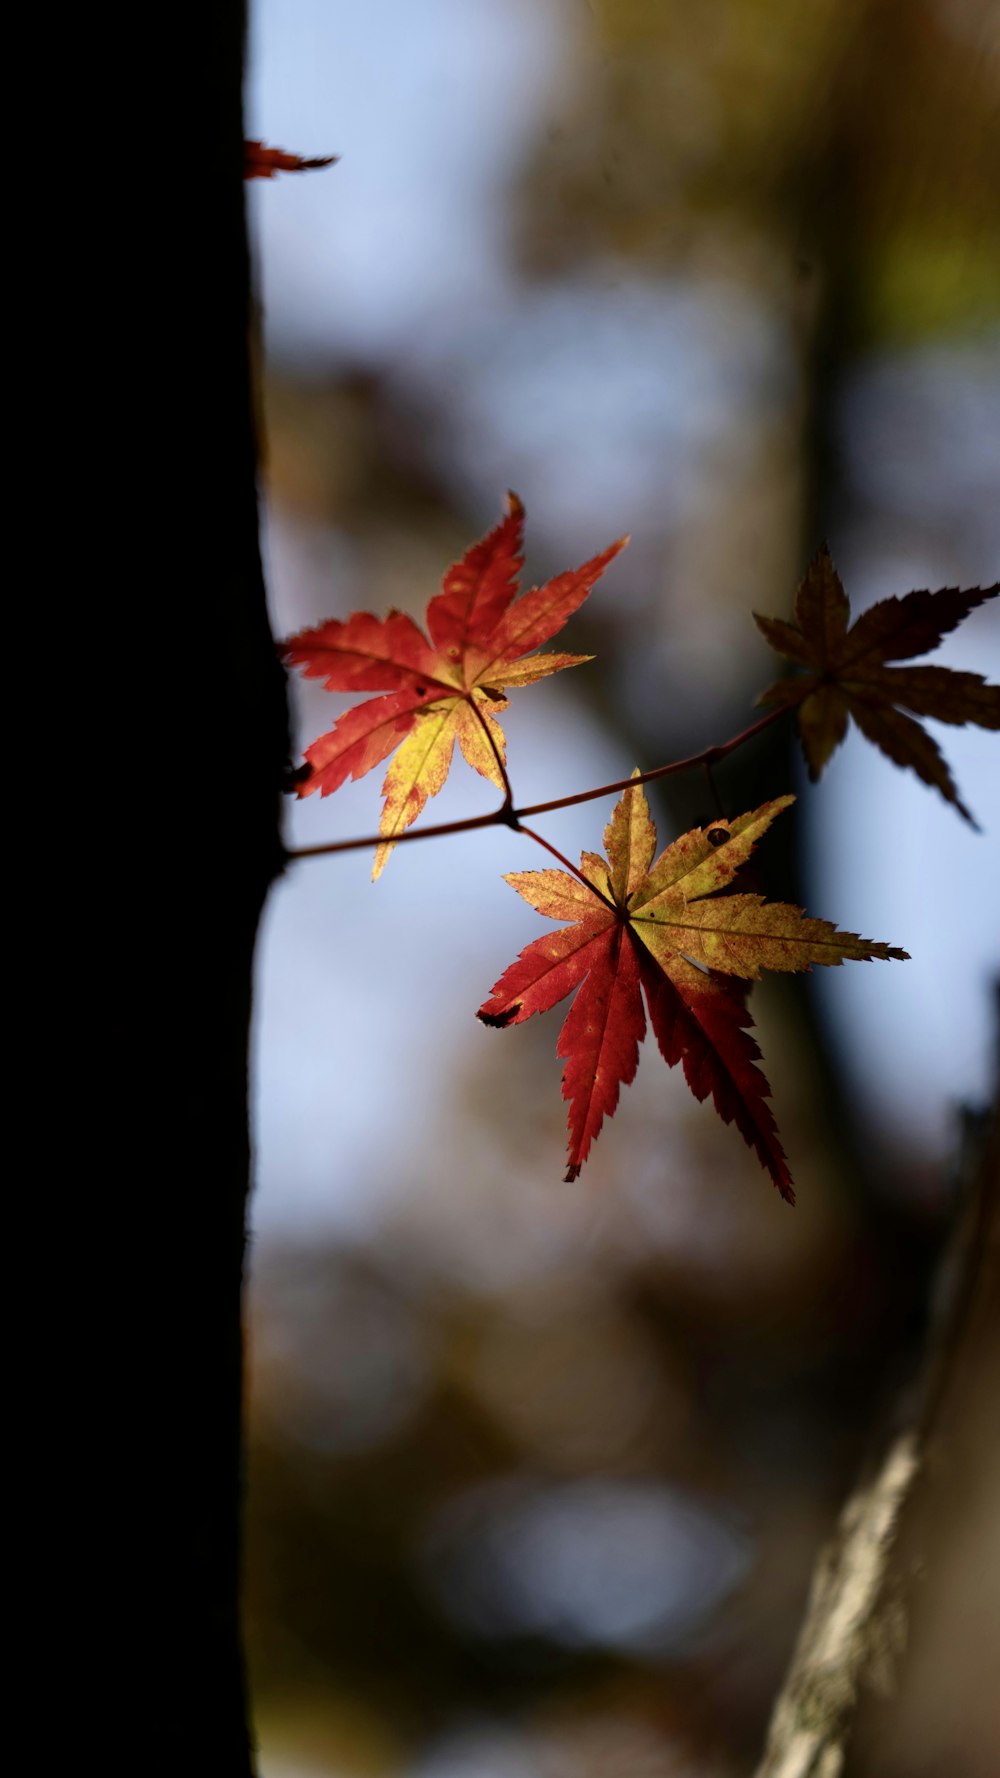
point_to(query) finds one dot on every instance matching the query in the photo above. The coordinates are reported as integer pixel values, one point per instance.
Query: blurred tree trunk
(892, 1671)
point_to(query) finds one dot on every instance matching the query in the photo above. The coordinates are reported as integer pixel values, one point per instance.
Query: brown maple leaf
(664, 929)
(846, 673)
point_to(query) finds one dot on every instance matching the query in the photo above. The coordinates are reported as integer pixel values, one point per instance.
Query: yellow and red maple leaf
(664, 931)
(442, 687)
(847, 675)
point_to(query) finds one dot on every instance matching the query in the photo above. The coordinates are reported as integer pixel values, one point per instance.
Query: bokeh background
(538, 1472)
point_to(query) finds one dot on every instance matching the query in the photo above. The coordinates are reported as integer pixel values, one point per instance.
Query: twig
(467, 825)
(708, 757)
(506, 816)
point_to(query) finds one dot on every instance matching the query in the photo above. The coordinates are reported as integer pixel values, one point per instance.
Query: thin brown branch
(506, 816)
(496, 818)
(708, 757)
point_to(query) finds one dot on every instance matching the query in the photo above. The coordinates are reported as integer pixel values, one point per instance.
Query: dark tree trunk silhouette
(241, 853)
(188, 765)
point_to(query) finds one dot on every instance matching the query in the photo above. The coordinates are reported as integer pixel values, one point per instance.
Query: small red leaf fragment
(261, 162)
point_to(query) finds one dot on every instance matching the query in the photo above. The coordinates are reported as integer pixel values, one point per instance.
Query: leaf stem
(507, 816)
(714, 791)
(532, 835)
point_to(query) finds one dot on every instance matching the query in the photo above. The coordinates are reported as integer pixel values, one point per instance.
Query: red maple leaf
(663, 929)
(442, 689)
(261, 162)
(847, 675)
